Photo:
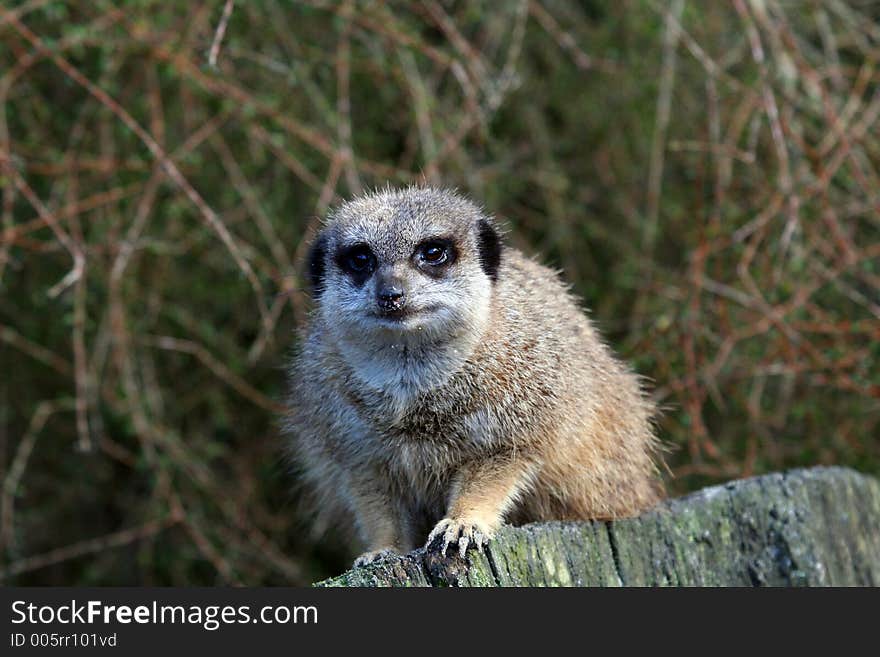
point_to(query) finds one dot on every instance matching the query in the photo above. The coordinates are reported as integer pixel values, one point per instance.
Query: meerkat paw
(463, 531)
(375, 555)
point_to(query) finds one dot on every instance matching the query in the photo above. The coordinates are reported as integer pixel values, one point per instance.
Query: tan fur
(509, 406)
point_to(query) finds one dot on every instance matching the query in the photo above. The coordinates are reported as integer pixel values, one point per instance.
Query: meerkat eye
(433, 253)
(358, 259)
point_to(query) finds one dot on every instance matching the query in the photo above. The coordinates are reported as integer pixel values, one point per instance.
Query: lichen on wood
(813, 527)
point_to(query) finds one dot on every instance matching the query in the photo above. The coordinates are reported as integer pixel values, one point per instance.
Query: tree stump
(812, 527)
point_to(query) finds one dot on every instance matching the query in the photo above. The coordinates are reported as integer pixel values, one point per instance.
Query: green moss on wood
(815, 527)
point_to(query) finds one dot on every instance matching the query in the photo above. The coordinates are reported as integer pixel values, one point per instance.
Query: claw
(374, 555)
(440, 528)
(450, 536)
(465, 533)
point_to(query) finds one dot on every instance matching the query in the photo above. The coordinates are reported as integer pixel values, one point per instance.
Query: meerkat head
(406, 275)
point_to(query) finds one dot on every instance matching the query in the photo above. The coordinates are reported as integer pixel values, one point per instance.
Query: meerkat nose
(390, 297)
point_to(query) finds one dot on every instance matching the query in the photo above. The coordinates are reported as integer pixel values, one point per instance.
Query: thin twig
(218, 35)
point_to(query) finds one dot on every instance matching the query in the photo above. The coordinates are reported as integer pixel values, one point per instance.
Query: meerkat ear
(489, 244)
(317, 263)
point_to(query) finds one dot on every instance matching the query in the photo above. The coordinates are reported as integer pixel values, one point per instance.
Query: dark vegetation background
(705, 173)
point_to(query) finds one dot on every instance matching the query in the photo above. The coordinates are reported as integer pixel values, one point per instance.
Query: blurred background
(704, 173)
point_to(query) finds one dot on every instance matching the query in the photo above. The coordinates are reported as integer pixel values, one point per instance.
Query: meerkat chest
(417, 428)
(432, 421)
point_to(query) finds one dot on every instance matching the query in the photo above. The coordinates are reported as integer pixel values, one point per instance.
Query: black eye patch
(358, 261)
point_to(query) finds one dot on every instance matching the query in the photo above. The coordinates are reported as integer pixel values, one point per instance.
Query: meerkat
(446, 383)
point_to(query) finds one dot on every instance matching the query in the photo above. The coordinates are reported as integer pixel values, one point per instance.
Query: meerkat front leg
(482, 492)
(381, 523)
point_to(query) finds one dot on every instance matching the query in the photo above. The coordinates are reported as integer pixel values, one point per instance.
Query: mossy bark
(815, 527)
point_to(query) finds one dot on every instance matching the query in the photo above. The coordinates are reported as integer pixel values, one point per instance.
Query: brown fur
(535, 420)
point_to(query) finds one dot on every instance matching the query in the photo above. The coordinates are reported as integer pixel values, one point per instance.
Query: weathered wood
(815, 527)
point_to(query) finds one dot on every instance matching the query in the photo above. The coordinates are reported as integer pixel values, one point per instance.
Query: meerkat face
(401, 269)
(415, 260)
